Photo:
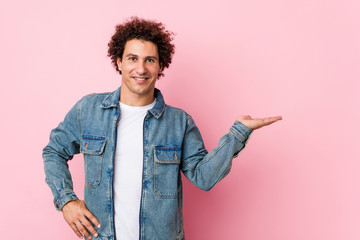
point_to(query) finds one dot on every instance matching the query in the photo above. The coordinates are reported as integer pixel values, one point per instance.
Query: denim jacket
(172, 142)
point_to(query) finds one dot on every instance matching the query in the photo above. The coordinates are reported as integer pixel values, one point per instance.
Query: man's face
(139, 68)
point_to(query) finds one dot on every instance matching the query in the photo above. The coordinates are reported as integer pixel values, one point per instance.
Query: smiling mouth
(140, 79)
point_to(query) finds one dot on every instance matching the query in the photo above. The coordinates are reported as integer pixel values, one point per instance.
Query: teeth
(140, 78)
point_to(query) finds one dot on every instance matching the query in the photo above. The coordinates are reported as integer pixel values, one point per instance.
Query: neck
(136, 100)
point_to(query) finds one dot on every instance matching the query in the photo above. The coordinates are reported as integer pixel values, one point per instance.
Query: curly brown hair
(148, 30)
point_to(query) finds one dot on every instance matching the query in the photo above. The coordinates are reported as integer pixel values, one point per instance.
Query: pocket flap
(168, 154)
(92, 145)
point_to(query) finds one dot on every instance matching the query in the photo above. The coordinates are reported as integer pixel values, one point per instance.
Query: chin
(142, 92)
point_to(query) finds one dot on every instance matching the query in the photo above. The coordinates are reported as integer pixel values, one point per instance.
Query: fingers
(82, 228)
(92, 218)
(85, 227)
(271, 120)
(277, 118)
(84, 232)
(76, 231)
(88, 225)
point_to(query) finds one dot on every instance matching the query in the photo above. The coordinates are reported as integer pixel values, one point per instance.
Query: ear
(118, 62)
(159, 73)
(161, 69)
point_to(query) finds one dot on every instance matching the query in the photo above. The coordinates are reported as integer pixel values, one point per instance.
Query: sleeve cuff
(241, 131)
(64, 197)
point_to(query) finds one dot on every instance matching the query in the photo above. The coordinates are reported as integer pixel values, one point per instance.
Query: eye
(132, 59)
(150, 60)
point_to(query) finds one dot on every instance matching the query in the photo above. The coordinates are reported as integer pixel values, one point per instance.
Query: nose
(141, 68)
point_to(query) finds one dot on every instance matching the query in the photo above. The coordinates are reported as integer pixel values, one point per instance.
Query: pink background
(298, 179)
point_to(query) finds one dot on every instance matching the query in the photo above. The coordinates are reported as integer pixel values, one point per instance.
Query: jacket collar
(159, 107)
(112, 100)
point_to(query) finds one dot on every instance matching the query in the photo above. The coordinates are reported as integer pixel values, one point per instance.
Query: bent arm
(205, 169)
(64, 143)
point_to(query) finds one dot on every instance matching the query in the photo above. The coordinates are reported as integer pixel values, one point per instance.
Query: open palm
(255, 123)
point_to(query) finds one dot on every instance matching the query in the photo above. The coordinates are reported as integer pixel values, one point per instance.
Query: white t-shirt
(128, 170)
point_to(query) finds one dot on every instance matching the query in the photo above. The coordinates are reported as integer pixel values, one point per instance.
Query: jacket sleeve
(64, 143)
(205, 169)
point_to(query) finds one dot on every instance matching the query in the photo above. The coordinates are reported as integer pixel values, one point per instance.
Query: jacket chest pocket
(166, 174)
(92, 147)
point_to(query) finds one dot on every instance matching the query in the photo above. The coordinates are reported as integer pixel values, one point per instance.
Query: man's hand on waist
(78, 216)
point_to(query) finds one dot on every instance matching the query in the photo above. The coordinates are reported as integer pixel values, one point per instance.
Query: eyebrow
(134, 55)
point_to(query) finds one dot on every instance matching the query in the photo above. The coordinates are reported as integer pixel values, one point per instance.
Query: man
(135, 146)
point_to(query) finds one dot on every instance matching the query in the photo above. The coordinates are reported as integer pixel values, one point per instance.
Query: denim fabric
(172, 143)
